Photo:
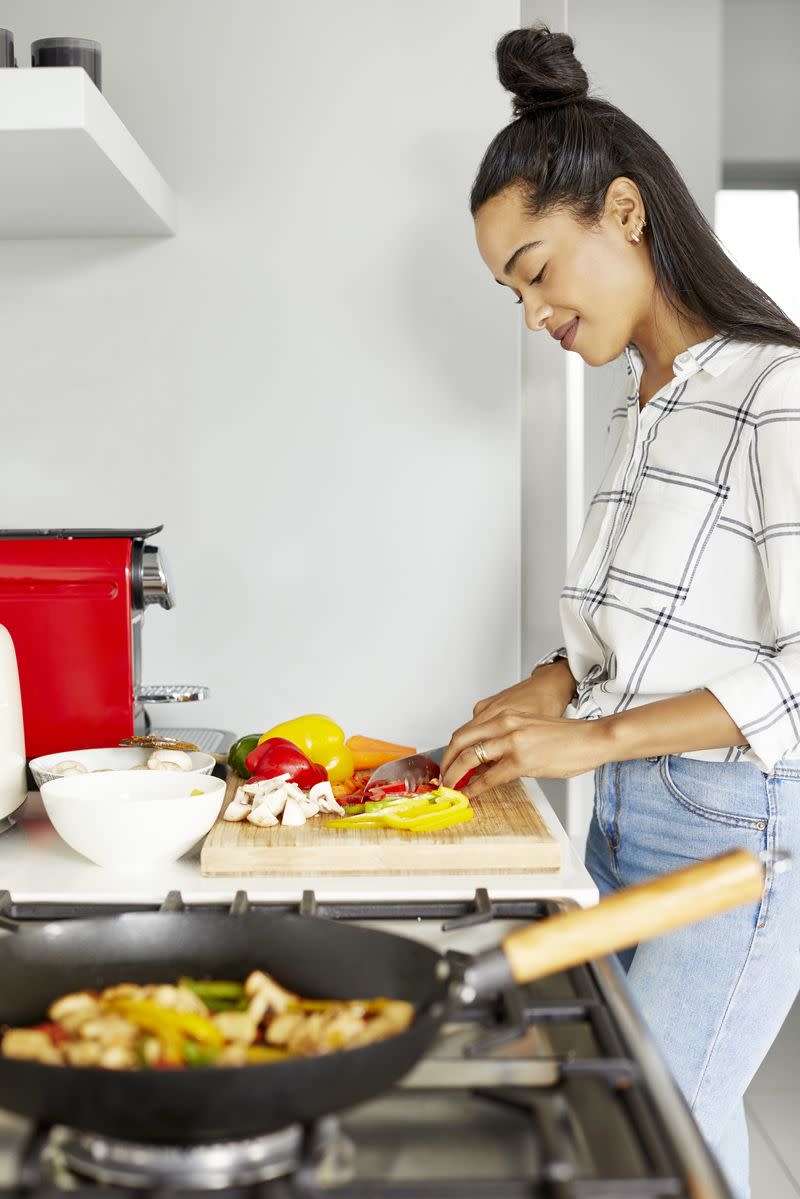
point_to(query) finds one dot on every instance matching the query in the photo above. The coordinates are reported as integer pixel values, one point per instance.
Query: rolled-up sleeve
(764, 697)
(552, 656)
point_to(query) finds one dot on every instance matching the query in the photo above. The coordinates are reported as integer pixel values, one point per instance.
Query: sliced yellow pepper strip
(427, 824)
(417, 814)
(422, 819)
(257, 1054)
(163, 1021)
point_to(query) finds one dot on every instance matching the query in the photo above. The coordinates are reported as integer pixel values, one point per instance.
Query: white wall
(761, 81)
(312, 385)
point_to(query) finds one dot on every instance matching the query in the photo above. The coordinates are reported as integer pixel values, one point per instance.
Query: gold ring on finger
(480, 754)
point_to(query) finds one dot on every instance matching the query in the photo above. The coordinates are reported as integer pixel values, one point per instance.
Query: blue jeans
(714, 995)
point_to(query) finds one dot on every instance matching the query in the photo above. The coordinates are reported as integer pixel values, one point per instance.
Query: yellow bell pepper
(416, 814)
(169, 1025)
(321, 740)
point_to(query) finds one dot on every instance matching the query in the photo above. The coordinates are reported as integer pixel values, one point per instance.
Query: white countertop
(37, 866)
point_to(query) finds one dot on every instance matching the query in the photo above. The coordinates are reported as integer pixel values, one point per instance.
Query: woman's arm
(669, 726)
(516, 743)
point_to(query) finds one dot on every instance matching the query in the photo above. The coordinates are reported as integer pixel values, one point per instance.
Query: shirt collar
(713, 356)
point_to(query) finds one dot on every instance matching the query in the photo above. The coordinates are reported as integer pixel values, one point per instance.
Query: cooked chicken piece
(72, 1011)
(260, 984)
(232, 1055)
(32, 1045)
(179, 999)
(308, 1037)
(83, 1053)
(110, 1030)
(118, 1057)
(397, 1013)
(236, 1026)
(123, 991)
(283, 1027)
(395, 1018)
(343, 1026)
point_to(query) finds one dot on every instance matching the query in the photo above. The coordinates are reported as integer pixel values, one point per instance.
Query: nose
(536, 315)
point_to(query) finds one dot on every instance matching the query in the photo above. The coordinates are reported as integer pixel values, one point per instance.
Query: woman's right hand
(546, 693)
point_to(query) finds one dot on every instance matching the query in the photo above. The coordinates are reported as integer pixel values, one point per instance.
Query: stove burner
(209, 1166)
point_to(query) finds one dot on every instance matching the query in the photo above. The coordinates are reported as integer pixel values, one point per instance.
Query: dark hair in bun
(540, 69)
(564, 148)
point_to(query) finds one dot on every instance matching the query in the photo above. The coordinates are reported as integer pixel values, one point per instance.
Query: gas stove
(552, 1089)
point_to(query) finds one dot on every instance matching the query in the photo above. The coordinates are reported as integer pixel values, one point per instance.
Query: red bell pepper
(462, 782)
(56, 1032)
(277, 756)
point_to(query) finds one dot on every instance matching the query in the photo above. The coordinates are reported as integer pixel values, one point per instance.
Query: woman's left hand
(517, 744)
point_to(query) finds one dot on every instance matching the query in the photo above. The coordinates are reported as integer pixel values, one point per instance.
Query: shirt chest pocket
(664, 533)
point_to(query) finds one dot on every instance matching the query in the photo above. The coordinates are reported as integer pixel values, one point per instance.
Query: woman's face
(563, 271)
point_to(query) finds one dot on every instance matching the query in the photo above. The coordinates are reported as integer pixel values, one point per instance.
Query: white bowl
(133, 819)
(121, 757)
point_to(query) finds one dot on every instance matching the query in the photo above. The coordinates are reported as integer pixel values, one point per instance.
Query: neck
(662, 334)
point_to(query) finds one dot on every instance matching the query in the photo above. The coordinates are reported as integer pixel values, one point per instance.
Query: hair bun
(540, 69)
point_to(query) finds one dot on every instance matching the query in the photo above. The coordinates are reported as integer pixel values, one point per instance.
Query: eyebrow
(508, 268)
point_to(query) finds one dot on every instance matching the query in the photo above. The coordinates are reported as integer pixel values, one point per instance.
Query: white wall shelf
(70, 168)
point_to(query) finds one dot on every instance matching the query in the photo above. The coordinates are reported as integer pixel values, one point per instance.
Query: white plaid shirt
(687, 573)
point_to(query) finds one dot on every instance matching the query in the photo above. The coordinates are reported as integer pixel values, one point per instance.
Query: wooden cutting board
(506, 834)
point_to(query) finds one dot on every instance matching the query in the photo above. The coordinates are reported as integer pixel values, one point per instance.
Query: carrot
(369, 753)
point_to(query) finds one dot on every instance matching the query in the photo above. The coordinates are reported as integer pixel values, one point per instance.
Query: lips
(566, 333)
(559, 333)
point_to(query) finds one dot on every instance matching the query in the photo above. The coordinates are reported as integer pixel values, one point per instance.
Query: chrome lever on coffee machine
(151, 578)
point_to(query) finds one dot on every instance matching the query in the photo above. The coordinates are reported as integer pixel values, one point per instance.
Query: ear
(624, 206)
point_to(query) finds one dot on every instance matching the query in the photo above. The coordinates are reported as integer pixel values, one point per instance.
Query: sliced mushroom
(239, 807)
(264, 786)
(293, 813)
(262, 816)
(169, 759)
(308, 806)
(275, 800)
(323, 794)
(66, 768)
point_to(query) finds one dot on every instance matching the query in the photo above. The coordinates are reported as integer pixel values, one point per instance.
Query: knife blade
(418, 768)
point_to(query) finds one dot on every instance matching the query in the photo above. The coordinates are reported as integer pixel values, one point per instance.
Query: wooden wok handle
(634, 914)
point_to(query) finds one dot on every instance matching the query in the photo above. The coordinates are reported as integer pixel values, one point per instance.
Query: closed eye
(538, 279)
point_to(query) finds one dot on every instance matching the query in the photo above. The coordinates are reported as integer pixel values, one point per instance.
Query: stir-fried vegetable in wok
(201, 1023)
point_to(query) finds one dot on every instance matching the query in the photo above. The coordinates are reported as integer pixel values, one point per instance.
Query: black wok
(315, 958)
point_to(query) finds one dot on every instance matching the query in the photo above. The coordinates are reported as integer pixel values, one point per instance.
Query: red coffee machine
(73, 601)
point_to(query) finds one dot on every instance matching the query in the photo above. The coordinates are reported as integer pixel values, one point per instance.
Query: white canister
(13, 785)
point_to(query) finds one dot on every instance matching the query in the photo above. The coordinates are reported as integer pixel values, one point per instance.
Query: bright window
(760, 230)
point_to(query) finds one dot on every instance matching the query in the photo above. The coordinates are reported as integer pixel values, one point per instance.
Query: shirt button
(684, 357)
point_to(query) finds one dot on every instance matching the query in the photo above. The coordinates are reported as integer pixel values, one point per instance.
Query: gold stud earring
(637, 236)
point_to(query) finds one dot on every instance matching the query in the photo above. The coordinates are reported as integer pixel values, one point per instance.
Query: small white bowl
(120, 757)
(133, 819)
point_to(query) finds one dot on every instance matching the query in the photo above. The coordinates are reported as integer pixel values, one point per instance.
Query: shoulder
(773, 377)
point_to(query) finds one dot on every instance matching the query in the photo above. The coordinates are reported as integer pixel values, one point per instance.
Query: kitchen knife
(419, 768)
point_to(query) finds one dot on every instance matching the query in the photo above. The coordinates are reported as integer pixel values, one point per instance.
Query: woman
(681, 610)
